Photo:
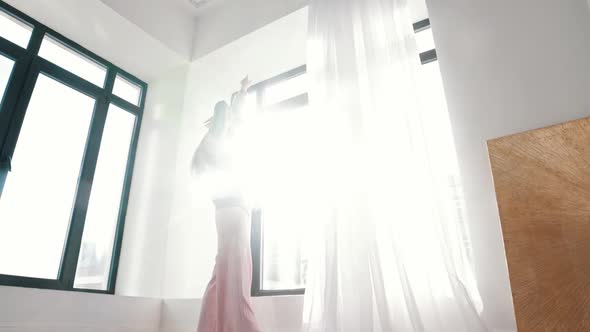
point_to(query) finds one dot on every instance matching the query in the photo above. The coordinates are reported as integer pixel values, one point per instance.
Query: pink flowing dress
(226, 304)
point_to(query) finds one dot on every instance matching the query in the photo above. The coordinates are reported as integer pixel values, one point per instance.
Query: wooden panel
(542, 181)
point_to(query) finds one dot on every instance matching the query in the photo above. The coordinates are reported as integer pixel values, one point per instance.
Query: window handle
(6, 163)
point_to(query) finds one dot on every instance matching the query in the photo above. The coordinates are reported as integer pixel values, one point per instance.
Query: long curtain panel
(389, 249)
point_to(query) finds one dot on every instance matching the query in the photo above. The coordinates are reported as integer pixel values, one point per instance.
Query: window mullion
(124, 104)
(11, 96)
(118, 241)
(26, 73)
(421, 25)
(428, 56)
(36, 40)
(74, 241)
(18, 94)
(9, 48)
(256, 247)
(70, 79)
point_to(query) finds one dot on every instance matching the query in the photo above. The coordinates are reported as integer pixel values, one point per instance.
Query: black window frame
(427, 56)
(27, 68)
(257, 237)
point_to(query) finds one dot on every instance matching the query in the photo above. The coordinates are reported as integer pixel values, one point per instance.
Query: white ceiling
(203, 6)
(169, 21)
(192, 32)
(233, 19)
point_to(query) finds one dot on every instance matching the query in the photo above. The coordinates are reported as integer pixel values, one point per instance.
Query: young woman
(226, 305)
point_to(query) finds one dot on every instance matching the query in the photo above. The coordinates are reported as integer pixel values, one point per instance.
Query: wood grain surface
(542, 181)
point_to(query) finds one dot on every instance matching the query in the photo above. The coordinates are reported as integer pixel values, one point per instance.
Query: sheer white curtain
(390, 253)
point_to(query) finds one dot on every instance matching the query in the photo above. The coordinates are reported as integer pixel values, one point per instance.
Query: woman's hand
(245, 84)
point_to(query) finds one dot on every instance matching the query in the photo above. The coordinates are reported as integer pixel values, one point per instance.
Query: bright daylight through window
(68, 130)
(278, 242)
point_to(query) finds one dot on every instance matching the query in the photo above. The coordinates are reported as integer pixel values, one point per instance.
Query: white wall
(507, 66)
(35, 310)
(144, 246)
(100, 29)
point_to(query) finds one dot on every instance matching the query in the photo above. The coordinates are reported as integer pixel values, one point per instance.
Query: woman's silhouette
(226, 305)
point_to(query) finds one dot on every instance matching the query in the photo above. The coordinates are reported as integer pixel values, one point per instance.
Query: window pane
(54, 51)
(6, 65)
(284, 259)
(15, 30)
(425, 40)
(37, 200)
(285, 89)
(283, 196)
(127, 90)
(96, 252)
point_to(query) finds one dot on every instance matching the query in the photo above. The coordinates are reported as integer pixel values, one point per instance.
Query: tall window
(277, 232)
(278, 250)
(69, 122)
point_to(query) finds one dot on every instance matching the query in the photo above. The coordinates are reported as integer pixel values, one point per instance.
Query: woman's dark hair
(220, 118)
